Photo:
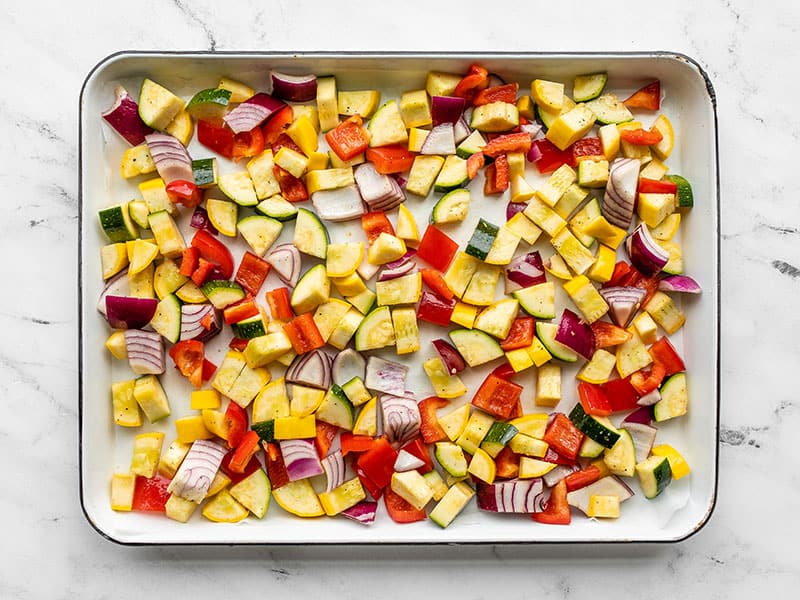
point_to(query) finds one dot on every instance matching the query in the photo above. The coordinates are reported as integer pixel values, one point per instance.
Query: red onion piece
(461, 130)
(301, 459)
(645, 254)
(200, 220)
(402, 260)
(341, 204)
(513, 208)
(524, 271)
(285, 261)
(333, 465)
(127, 312)
(386, 376)
(440, 140)
(521, 496)
(170, 157)
(557, 474)
(446, 109)
(387, 274)
(364, 512)
(145, 352)
(312, 369)
(679, 283)
(575, 334)
(346, 365)
(534, 154)
(643, 436)
(450, 357)
(252, 112)
(197, 470)
(532, 129)
(116, 286)
(123, 116)
(294, 88)
(620, 195)
(401, 418)
(623, 302)
(407, 462)
(649, 398)
(192, 317)
(643, 415)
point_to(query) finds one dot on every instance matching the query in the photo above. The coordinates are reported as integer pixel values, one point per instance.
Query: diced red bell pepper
(648, 97)
(588, 148)
(607, 334)
(245, 450)
(368, 484)
(435, 309)
(390, 159)
(655, 186)
(374, 224)
(203, 272)
(251, 467)
(429, 427)
(276, 125)
(474, 164)
(216, 136)
(189, 261)
(247, 144)
(349, 138)
(325, 436)
(621, 271)
(497, 396)
(504, 371)
(664, 353)
(215, 252)
(496, 176)
(188, 356)
(208, 369)
(554, 457)
(620, 394)
(520, 335)
(476, 79)
(509, 142)
(580, 479)
(417, 448)
(302, 331)
(641, 137)
(434, 280)
(356, 444)
(645, 381)
(635, 278)
(593, 399)
(279, 302)
(236, 421)
(238, 344)
(436, 248)
(184, 192)
(556, 511)
(497, 93)
(244, 309)
(252, 272)
(551, 157)
(507, 463)
(377, 463)
(400, 510)
(276, 468)
(292, 188)
(563, 437)
(150, 494)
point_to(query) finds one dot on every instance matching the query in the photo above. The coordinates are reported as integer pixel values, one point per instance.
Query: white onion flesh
(197, 470)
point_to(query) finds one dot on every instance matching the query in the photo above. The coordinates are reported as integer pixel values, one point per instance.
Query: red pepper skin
(620, 394)
(324, 438)
(280, 304)
(434, 280)
(664, 353)
(377, 463)
(150, 494)
(563, 437)
(497, 93)
(247, 144)
(436, 248)
(252, 272)
(374, 224)
(593, 399)
(474, 164)
(520, 335)
(208, 369)
(368, 484)
(552, 158)
(390, 159)
(648, 97)
(399, 510)
(435, 309)
(607, 334)
(556, 511)
(277, 125)
(656, 186)
(214, 252)
(189, 261)
(497, 396)
(216, 136)
(496, 176)
(292, 188)
(645, 381)
(621, 270)
(418, 448)
(504, 371)
(204, 271)
(244, 309)
(236, 420)
(476, 79)
(509, 142)
(184, 192)
(276, 468)
(188, 356)
(303, 333)
(641, 137)
(244, 452)
(235, 477)
(238, 344)
(352, 443)
(429, 427)
(552, 456)
(348, 139)
(580, 479)
(588, 148)
(507, 463)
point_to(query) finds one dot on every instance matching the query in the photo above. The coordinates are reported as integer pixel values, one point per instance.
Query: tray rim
(352, 54)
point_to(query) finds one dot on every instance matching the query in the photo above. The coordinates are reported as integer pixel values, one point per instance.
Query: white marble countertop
(749, 50)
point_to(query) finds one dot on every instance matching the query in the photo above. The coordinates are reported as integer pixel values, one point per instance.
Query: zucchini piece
(473, 143)
(327, 103)
(205, 172)
(276, 207)
(210, 104)
(313, 289)
(117, 223)
(375, 331)
(223, 214)
(498, 437)
(482, 286)
(452, 175)
(166, 233)
(482, 239)
(259, 232)
(249, 328)
(538, 300)
(621, 457)
(336, 409)
(476, 347)
(386, 126)
(167, 318)
(597, 428)
(253, 492)
(310, 235)
(655, 474)
(608, 108)
(451, 504)
(222, 293)
(451, 457)
(674, 398)
(239, 187)
(684, 198)
(588, 87)
(151, 398)
(452, 207)
(590, 448)
(496, 319)
(157, 105)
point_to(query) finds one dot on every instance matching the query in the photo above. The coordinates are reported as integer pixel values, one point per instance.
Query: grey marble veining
(750, 50)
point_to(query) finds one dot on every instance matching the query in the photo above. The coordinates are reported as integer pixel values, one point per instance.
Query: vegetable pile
(310, 404)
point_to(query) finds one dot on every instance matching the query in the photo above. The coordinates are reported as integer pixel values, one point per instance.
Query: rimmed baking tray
(104, 448)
